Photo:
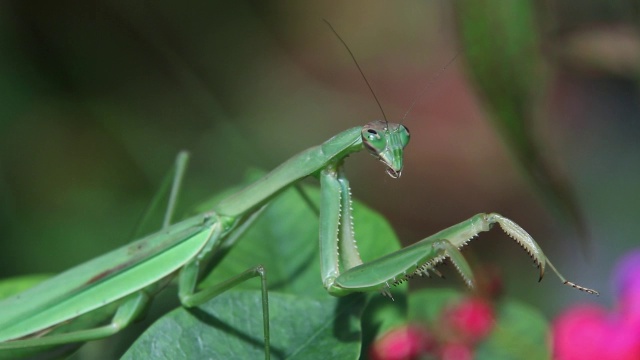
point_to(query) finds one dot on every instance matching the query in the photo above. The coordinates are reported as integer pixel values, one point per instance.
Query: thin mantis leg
(191, 298)
(188, 280)
(174, 184)
(125, 314)
(182, 161)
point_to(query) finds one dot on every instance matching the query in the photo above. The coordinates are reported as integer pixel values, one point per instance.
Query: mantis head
(386, 141)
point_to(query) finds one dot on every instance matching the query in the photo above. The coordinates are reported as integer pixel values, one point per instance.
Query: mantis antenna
(359, 69)
(415, 99)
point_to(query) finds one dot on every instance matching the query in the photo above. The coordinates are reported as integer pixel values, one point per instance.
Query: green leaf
(521, 332)
(230, 327)
(427, 305)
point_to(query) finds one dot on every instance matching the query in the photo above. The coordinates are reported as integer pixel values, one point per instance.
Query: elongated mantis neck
(384, 140)
(306, 163)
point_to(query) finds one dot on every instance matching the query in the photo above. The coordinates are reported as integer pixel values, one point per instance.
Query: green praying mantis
(123, 279)
(116, 287)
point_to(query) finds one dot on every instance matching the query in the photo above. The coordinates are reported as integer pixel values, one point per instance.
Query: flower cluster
(459, 328)
(592, 332)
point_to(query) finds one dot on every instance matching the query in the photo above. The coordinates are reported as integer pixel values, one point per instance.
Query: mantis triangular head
(386, 141)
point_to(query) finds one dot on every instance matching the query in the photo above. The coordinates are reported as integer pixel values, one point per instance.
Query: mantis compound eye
(372, 135)
(372, 138)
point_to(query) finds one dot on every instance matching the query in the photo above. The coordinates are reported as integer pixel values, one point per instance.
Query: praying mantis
(118, 286)
(123, 279)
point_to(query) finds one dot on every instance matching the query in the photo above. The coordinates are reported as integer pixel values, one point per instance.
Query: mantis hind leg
(171, 183)
(126, 312)
(191, 295)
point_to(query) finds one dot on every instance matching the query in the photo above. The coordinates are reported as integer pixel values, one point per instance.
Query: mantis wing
(20, 314)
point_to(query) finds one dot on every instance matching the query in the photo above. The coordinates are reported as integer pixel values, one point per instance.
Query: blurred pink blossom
(591, 332)
(471, 319)
(404, 343)
(459, 328)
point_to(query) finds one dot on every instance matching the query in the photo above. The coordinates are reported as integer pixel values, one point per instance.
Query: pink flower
(404, 343)
(629, 310)
(471, 320)
(590, 332)
(455, 351)
(577, 333)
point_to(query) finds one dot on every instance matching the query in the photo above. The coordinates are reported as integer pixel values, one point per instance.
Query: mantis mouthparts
(394, 174)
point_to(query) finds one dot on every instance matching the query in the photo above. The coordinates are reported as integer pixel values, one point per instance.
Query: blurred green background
(98, 98)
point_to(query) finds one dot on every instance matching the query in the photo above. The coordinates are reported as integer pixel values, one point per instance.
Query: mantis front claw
(423, 256)
(526, 241)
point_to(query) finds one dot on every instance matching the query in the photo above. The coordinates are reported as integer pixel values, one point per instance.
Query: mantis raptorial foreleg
(338, 246)
(423, 256)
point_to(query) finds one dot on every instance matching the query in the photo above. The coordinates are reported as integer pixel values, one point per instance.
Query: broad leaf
(230, 327)
(521, 332)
